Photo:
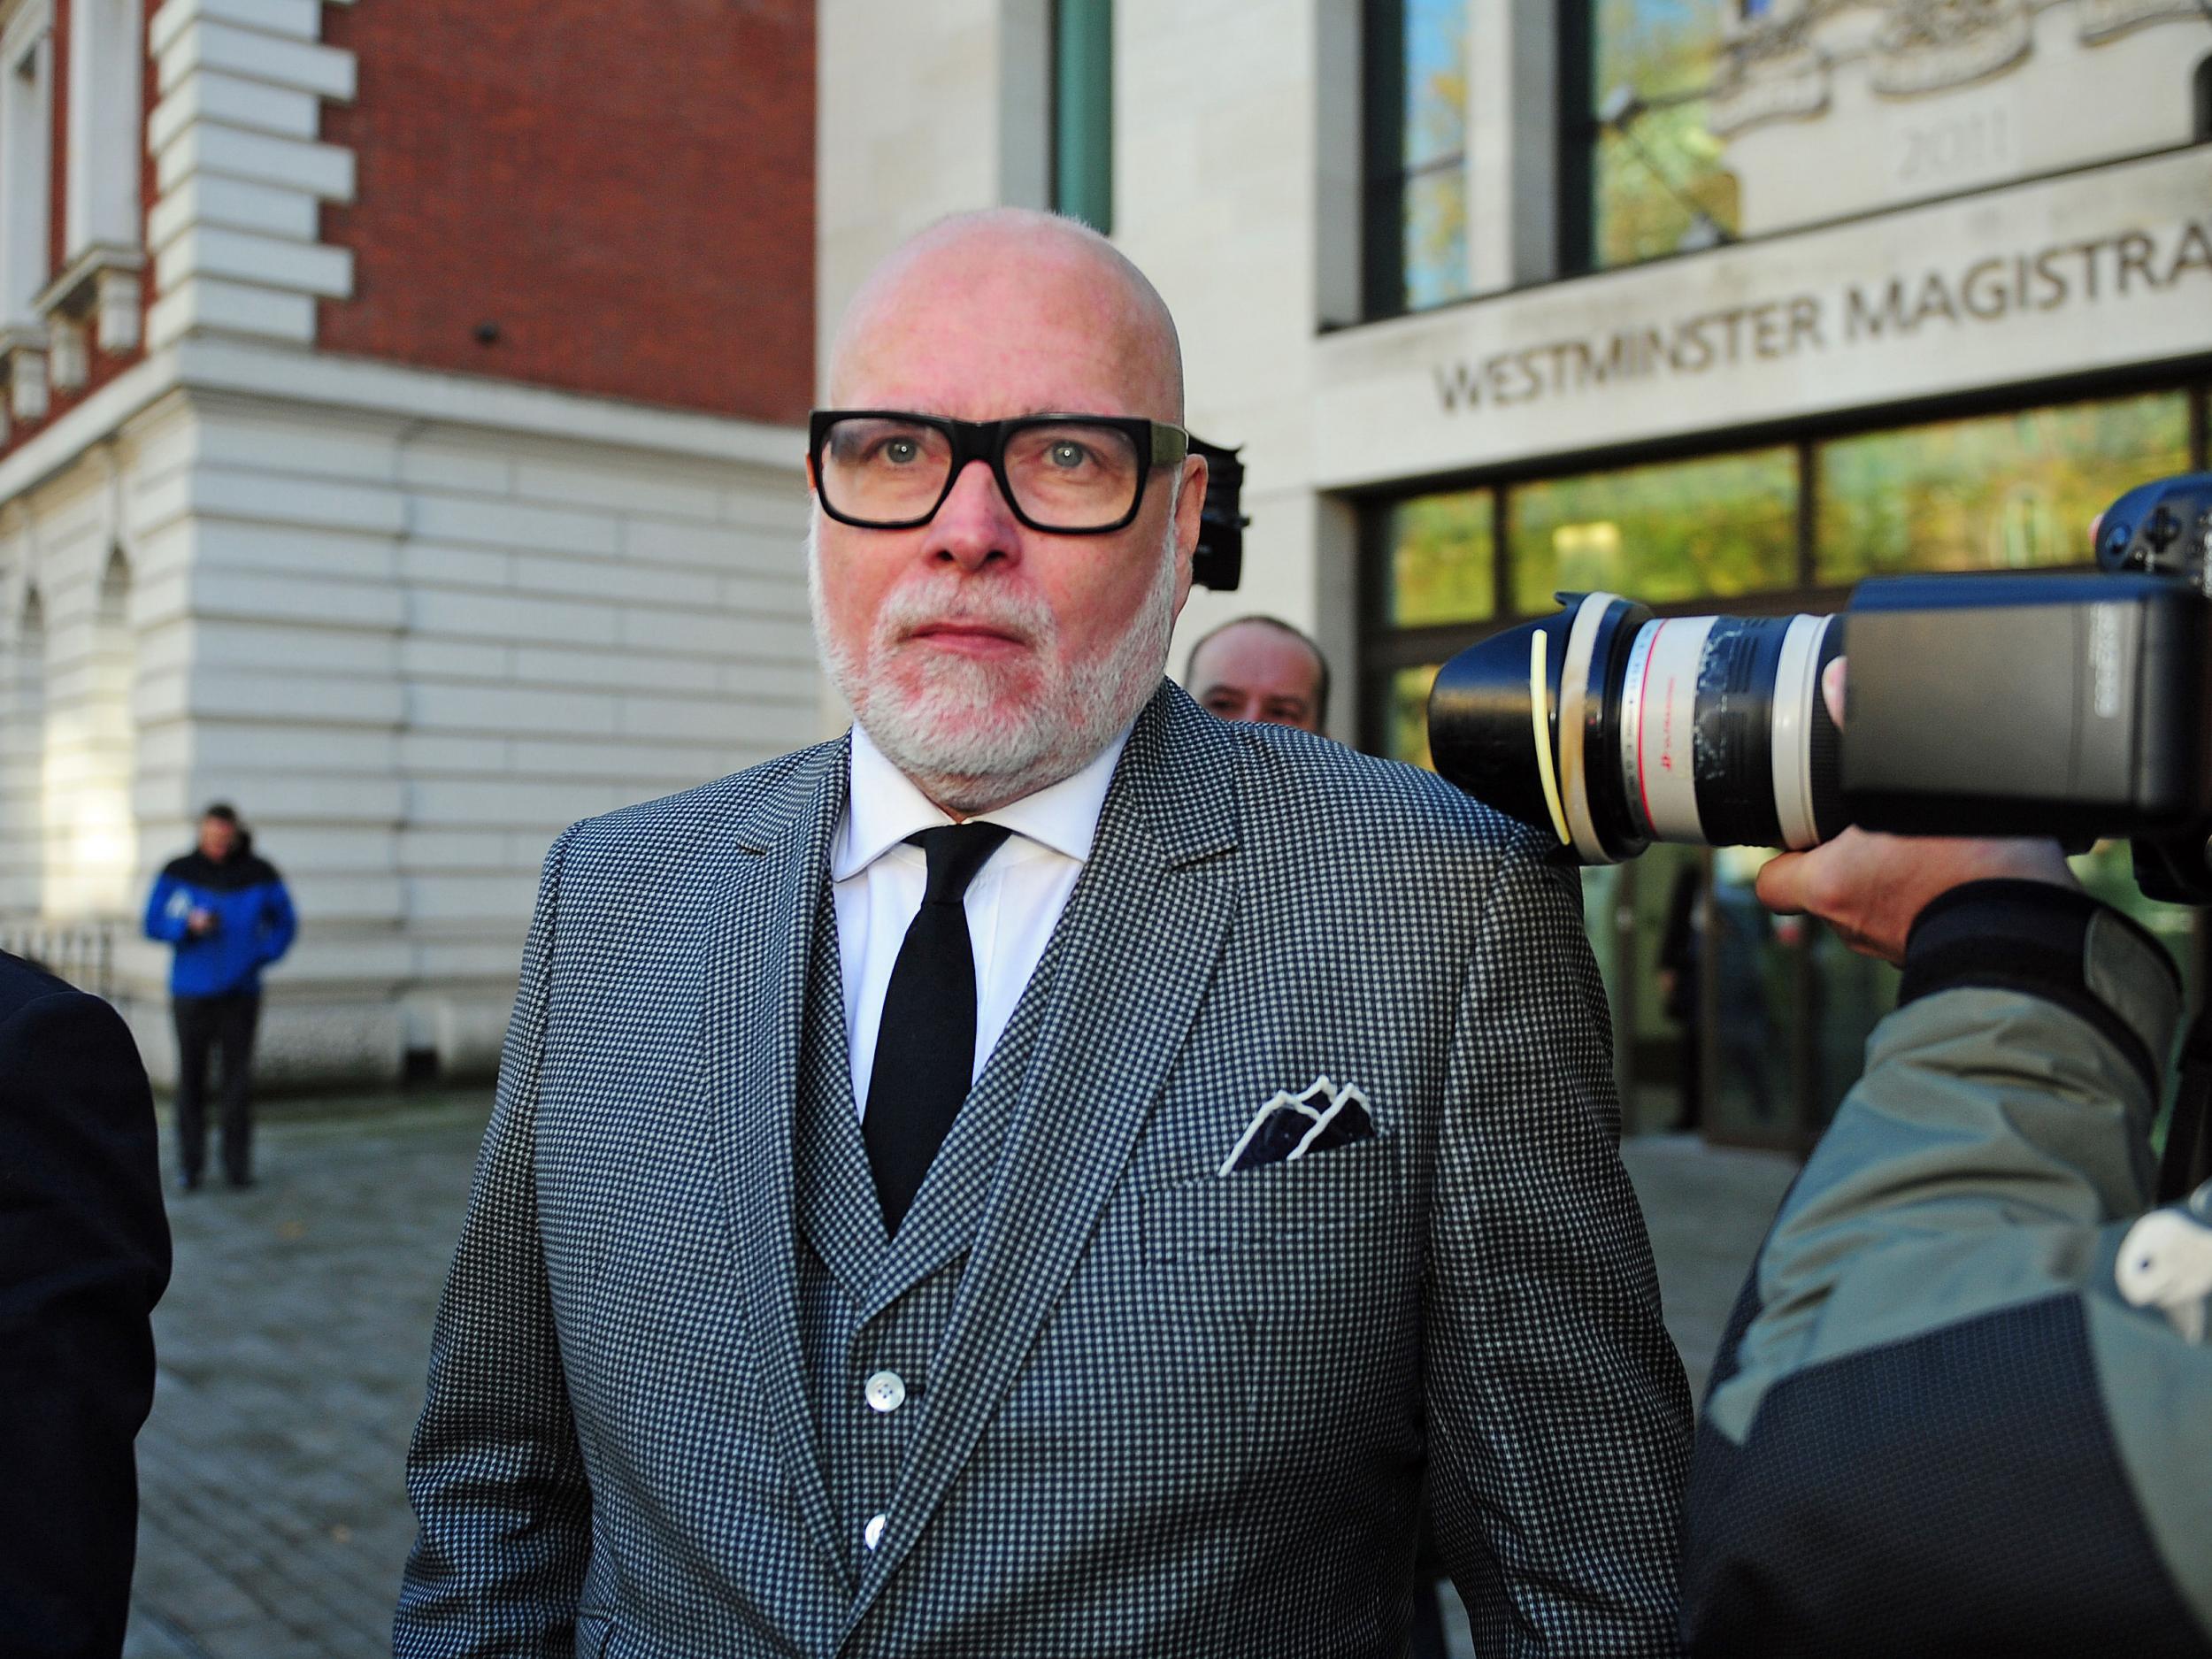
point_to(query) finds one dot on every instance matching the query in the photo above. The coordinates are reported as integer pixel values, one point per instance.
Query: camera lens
(1615, 728)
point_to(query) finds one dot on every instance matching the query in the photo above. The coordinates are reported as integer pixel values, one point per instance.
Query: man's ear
(813, 484)
(1190, 504)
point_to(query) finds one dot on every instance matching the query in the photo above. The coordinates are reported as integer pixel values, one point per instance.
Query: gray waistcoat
(866, 1307)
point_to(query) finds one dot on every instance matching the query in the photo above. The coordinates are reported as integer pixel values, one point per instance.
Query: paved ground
(294, 1335)
(292, 1342)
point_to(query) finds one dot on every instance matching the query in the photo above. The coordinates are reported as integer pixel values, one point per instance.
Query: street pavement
(294, 1335)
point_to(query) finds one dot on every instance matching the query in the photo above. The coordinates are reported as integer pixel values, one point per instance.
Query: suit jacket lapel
(1143, 931)
(753, 1008)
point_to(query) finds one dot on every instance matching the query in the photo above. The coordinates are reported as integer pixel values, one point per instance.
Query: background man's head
(1260, 668)
(987, 659)
(220, 831)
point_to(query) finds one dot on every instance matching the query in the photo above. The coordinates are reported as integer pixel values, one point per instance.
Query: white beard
(973, 735)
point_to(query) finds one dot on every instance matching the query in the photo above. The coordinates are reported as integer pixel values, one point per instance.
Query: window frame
(1080, 117)
(1386, 178)
(1386, 648)
(27, 138)
(1580, 135)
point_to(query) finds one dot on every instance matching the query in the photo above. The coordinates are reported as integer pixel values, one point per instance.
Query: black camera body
(2071, 705)
(1217, 562)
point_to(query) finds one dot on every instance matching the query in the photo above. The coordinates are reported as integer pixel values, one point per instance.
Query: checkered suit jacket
(1171, 1412)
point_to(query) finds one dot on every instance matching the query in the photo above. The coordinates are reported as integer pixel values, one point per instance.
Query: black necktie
(926, 1044)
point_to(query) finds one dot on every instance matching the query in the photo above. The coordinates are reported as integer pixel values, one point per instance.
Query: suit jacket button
(885, 1391)
(872, 1534)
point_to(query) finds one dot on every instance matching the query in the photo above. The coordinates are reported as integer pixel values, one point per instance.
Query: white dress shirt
(1013, 904)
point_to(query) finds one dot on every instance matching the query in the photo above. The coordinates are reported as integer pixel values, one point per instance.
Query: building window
(1443, 552)
(1083, 111)
(27, 123)
(1789, 526)
(1641, 173)
(106, 70)
(2002, 492)
(1414, 99)
(1718, 527)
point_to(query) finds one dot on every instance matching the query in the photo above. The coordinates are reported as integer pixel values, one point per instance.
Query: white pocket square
(1319, 1119)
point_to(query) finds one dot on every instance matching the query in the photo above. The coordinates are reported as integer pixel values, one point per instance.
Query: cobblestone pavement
(292, 1344)
(294, 1335)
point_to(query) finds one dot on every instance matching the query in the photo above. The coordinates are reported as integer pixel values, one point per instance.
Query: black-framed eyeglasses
(884, 469)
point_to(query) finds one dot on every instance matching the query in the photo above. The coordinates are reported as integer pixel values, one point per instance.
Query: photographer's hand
(1870, 887)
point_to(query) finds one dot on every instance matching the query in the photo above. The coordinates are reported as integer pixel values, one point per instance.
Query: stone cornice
(277, 375)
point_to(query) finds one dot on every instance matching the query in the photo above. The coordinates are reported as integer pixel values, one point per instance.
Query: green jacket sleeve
(1935, 1425)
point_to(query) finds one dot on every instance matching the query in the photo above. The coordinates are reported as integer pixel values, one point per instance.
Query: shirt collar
(883, 808)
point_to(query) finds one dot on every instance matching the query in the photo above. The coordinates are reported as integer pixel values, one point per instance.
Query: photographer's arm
(1933, 1424)
(1871, 888)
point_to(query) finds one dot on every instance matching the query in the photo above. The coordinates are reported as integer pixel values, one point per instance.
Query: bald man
(1048, 1172)
(1260, 668)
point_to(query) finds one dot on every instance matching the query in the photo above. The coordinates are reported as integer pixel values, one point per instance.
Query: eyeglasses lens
(1065, 475)
(1071, 475)
(885, 471)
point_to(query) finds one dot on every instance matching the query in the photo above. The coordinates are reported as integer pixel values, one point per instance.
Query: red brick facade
(626, 193)
(57, 158)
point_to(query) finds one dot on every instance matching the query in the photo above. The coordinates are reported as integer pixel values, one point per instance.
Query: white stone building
(439, 504)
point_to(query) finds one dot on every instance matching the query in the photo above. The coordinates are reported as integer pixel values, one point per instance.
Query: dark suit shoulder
(84, 1255)
(712, 818)
(1294, 779)
(22, 984)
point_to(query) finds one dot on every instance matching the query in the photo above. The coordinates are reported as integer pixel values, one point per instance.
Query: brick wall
(626, 193)
(58, 158)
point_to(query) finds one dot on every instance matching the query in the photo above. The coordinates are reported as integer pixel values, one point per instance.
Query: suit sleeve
(161, 923)
(1934, 1425)
(1558, 1413)
(495, 1473)
(84, 1256)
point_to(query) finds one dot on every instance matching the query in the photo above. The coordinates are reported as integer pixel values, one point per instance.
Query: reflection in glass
(1441, 567)
(1650, 180)
(1638, 216)
(1407, 734)
(1668, 954)
(1416, 225)
(1436, 236)
(2000, 492)
(1662, 534)
(1751, 962)
(1664, 49)
(1435, 150)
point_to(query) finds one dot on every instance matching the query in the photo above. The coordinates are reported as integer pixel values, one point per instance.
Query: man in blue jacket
(226, 911)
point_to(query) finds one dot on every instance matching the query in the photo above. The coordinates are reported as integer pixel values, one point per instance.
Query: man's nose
(974, 526)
